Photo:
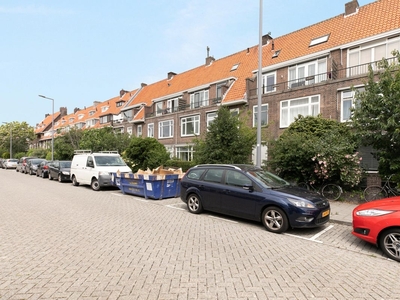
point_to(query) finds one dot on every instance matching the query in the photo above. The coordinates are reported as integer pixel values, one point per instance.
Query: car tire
(275, 220)
(59, 178)
(95, 184)
(389, 242)
(30, 172)
(194, 204)
(74, 181)
(42, 174)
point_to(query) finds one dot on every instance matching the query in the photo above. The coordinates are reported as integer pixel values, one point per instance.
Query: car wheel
(42, 174)
(74, 181)
(389, 242)
(95, 184)
(275, 220)
(194, 204)
(30, 172)
(59, 178)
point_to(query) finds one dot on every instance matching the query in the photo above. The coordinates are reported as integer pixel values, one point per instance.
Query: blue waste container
(161, 186)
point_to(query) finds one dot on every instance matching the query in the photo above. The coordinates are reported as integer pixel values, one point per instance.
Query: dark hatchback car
(60, 170)
(251, 193)
(32, 165)
(43, 169)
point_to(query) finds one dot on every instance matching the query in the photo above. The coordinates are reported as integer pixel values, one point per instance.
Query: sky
(80, 51)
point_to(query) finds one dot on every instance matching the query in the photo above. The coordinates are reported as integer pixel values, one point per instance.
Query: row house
(310, 71)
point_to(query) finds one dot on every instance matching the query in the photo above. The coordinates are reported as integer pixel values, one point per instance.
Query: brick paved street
(63, 242)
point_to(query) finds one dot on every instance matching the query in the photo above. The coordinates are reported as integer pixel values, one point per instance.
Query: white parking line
(222, 219)
(173, 206)
(313, 238)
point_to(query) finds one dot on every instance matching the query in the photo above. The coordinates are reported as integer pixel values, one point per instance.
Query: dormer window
(104, 108)
(276, 53)
(234, 67)
(319, 40)
(91, 113)
(80, 116)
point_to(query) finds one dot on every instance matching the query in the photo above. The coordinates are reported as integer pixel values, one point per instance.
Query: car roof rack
(82, 151)
(109, 152)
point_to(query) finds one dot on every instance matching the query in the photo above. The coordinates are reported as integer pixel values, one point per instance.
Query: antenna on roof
(208, 51)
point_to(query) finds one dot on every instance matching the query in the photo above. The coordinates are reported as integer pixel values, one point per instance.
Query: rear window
(195, 173)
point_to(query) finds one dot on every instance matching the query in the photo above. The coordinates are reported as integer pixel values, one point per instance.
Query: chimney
(46, 115)
(209, 59)
(143, 85)
(95, 103)
(76, 109)
(170, 75)
(351, 7)
(122, 92)
(266, 38)
(63, 111)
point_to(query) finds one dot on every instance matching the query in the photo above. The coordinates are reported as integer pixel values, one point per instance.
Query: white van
(95, 169)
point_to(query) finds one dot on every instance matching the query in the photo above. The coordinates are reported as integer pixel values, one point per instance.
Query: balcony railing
(335, 74)
(184, 107)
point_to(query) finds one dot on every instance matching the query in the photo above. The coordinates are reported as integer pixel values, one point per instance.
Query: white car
(10, 163)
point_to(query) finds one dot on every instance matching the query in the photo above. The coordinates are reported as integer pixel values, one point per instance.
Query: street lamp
(10, 139)
(52, 126)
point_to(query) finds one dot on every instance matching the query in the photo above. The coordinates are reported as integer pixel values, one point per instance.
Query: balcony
(336, 74)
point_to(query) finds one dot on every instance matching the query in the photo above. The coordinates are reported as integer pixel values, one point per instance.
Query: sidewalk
(341, 212)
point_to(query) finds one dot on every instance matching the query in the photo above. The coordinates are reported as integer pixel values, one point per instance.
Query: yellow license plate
(325, 213)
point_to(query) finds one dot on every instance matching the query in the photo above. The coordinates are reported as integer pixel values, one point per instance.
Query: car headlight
(65, 173)
(104, 173)
(373, 212)
(301, 203)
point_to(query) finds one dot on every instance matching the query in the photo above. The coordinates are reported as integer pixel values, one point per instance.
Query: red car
(378, 222)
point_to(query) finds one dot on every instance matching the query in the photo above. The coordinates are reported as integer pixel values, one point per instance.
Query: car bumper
(310, 219)
(364, 230)
(105, 180)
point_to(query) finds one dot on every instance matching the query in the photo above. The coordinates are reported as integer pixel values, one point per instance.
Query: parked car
(2, 160)
(43, 169)
(249, 192)
(22, 163)
(32, 165)
(10, 163)
(60, 170)
(378, 222)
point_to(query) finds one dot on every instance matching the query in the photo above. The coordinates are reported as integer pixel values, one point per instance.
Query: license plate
(325, 213)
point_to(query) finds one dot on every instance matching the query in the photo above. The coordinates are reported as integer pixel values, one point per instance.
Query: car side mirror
(248, 187)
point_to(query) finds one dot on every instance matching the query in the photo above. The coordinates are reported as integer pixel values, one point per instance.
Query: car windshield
(13, 160)
(65, 164)
(108, 160)
(267, 179)
(36, 161)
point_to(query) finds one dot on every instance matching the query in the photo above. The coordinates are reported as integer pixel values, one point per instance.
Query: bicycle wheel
(332, 192)
(374, 192)
(303, 185)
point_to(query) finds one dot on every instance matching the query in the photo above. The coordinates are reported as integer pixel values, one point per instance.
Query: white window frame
(287, 115)
(210, 117)
(268, 88)
(203, 99)
(187, 150)
(194, 122)
(150, 130)
(347, 103)
(264, 114)
(315, 71)
(139, 130)
(172, 105)
(129, 130)
(159, 108)
(166, 124)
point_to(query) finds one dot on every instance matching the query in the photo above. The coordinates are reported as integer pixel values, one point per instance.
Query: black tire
(30, 172)
(374, 192)
(95, 184)
(42, 174)
(194, 204)
(74, 181)
(389, 242)
(59, 178)
(331, 192)
(275, 220)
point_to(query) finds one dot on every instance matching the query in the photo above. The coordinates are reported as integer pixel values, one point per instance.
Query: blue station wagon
(249, 192)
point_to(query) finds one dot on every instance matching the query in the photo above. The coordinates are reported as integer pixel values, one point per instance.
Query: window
(150, 130)
(290, 109)
(139, 130)
(234, 112)
(234, 67)
(190, 126)
(214, 175)
(220, 90)
(308, 73)
(166, 129)
(91, 113)
(264, 115)
(119, 104)
(348, 102)
(104, 108)
(159, 108)
(185, 153)
(319, 40)
(361, 57)
(199, 99)
(268, 82)
(210, 118)
(172, 105)
(129, 131)
(238, 179)
(103, 119)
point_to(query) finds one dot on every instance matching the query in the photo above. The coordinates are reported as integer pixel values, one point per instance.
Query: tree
(376, 116)
(19, 134)
(143, 153)
(316, 150)
(103, 139)
(228, 140)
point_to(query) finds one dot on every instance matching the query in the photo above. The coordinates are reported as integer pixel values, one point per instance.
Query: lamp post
(10, 139)
(52, 125)
(259, 90)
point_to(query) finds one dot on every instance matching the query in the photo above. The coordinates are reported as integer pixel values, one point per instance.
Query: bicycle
(330, 191)
(375, 192)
